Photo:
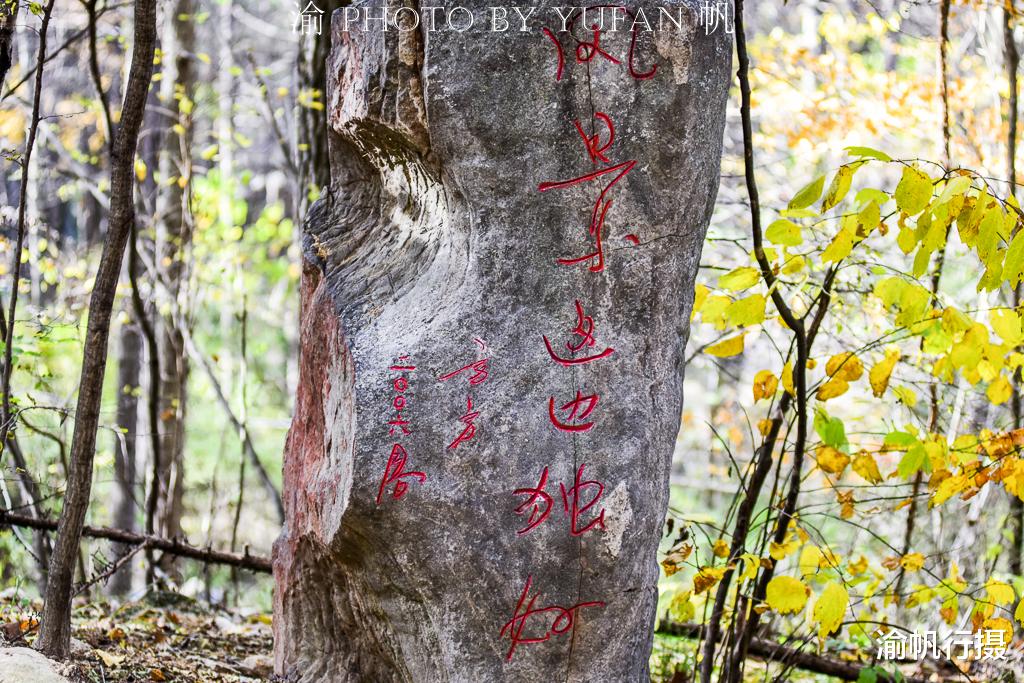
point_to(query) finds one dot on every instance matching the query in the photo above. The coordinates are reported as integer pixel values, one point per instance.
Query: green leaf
(913, 460)
(784, 232)
(748, 311)
(868, 675)
(809, 194)
(914, 191)
(956, 186)
(739, 279)
(831, 430)
(1013, 265)
(868, 152)
(900, 439)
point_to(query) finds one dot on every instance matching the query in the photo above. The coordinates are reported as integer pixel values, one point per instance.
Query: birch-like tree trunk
(174, 237)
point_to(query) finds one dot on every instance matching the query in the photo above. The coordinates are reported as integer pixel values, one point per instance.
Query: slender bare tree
(55, 634)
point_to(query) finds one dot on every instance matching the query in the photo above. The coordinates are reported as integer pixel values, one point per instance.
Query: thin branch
(244, 560)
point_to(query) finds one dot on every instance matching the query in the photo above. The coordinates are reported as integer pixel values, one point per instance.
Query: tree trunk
(408, 552)
(8, 19)
(125, 471)
(177, 85)
(55, 630)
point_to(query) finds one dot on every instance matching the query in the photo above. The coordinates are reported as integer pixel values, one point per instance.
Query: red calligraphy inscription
(584, 329)
(468, 419)
(535, 497)
(553, 620)
(394, 472)
(577, 502)
(480, 371)
(595, 149)
(588, 49)
(575, 510)
(578, 410)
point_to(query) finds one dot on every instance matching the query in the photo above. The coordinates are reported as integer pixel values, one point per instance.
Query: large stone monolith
(477, 471)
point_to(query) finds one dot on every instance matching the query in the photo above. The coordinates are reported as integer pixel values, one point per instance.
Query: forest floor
(166, 638)
(169, 637)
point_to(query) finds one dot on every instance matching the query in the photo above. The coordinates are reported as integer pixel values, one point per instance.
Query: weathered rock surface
(433, 235)
(25, 665)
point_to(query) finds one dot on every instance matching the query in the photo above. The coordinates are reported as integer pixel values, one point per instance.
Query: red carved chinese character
(537, 516)
(398, 423)
(574, 503)
(576, 415)
(467, 419)
(601, 206)
(585, 330)
(587, 50)
(395, 472)
(479, 367)
(592, 142)
(576, 510)
(563, 621)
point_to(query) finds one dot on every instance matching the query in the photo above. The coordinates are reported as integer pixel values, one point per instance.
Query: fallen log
(167, 545)
(792, 657)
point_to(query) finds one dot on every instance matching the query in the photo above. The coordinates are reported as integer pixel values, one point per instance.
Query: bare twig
(243, 560)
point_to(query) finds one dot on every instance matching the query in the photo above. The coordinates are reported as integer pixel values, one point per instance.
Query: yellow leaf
(109, 659)
(864, 465)
(839, 248)
(780, 551)
(706, 578)
(794, 265)
(712, 310)
(839, 187)
(832, 388)
(907, 395)
(787, 379)
(832, 461)
(751, 563)
(765, 385)
(1018, 614)
(845, 366)
(912, 562)
(1006, 323)
(808, 194)
(729, 347)
(748, 311)
(700, 295)
(739, 279)
(999, 624)
(786, 595)
(829, 609)
(673, 562)
(140, 170)
(681, 608)
(999, 593)
(880, 374)
(810, 560)
(721, 548)
(999, 391)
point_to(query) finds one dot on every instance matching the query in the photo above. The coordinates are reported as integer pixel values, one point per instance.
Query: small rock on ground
(21, 664)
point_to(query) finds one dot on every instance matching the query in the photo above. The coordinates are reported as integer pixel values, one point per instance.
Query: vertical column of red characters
(532, 620)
